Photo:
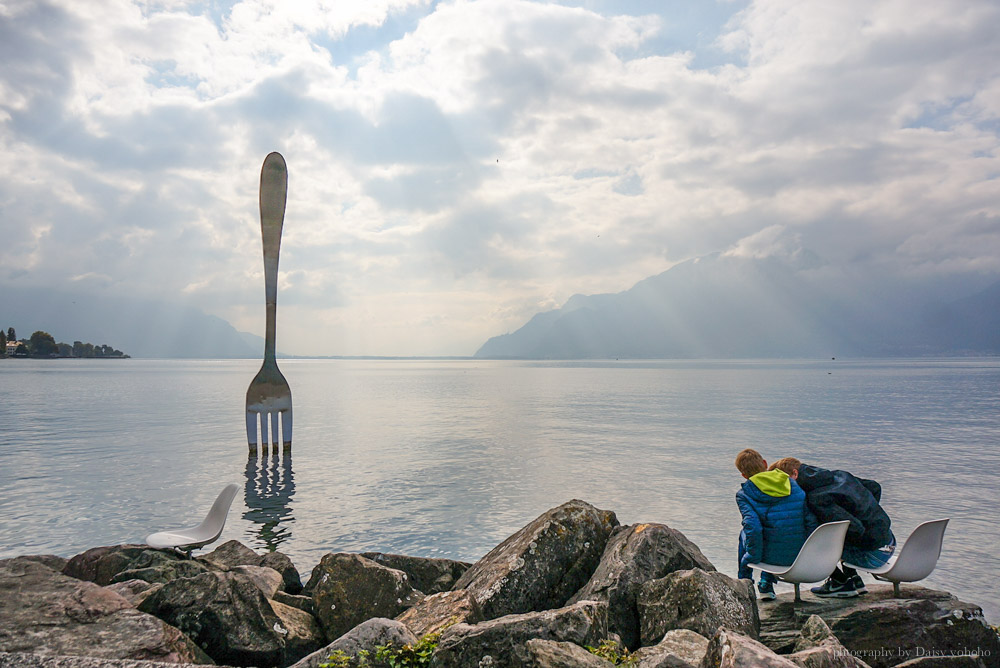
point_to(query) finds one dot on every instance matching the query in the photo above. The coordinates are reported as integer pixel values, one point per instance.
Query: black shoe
(766, 590)
(859, 584)
(833, 589)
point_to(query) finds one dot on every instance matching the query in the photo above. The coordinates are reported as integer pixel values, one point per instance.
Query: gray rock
(303, 603)
(541, 566)
(633, 556)
(680, 648)
(22, 660)
(697, 600)
(45, 612)
(882, 630)
(53, 561)
(102, 564)
(283, 564)
(230, 554)
(814, 633)
(134, 591)
(441, 610)
(502, 641)
(366, 636)
(161, 568)
(347, 589)
(267, 580)
(826, 657)
(233, 554)
(728, 649)
(299, 629)
(554, 654)
(818, 647)
(228, 616)
(430, 576)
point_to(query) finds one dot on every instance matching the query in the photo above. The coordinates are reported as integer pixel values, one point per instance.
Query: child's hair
(786, 464)
(750, 463)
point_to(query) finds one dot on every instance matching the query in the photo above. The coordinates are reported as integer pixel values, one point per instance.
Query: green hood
(773, 483)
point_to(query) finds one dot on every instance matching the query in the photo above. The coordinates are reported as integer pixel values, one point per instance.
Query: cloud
(773, 241)
(451, 162)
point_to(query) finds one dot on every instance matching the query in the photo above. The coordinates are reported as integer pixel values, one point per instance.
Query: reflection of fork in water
(270, 485)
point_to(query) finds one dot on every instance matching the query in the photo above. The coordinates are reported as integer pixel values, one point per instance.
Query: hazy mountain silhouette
(970, 325)
(723, 306)
(137, 327)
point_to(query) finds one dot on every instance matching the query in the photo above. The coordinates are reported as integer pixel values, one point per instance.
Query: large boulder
(818, 647)
(729, 649)
(233, 554)
(229, 616)
(430, 576)
(134, 591)
(680, 648)
(301, 631)
(267, 579)
(283, 564)
(53, 561)
(541, 566)
(882, 630)
(303, 603)
(554, 654)
(45, 612)
(347, 589)
(366, 636)
(633, 556)
(230, 554)
(439, 611)
(699, 601)
(104, 565)
(160, 570)
(502, 641)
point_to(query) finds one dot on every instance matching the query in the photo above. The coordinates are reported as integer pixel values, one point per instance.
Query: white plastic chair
(816, 559)
(208, 531)
(915, 560)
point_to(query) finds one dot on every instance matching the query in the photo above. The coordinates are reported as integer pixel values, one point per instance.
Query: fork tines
(261, 425)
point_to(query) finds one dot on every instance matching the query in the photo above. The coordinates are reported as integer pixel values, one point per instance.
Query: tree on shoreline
(43, 344)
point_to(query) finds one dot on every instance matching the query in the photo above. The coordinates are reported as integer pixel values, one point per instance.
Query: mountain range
(728, 306)
(717, 306)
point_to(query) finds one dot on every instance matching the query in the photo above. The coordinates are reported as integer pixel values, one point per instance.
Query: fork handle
(273, 190)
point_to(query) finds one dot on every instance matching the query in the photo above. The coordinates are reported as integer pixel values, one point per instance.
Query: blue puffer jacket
(776, 520)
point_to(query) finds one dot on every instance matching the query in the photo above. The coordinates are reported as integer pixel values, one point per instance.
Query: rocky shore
(640, 595)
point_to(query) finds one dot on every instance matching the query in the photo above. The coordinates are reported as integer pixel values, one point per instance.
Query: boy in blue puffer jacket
(776, 519)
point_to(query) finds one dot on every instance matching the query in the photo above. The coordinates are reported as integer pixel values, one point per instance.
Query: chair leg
(895, 589)
(798, 598)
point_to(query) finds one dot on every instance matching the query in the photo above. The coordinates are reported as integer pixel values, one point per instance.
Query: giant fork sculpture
(269, 395)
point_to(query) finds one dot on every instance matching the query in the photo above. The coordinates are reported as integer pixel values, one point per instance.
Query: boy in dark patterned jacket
(838, 495)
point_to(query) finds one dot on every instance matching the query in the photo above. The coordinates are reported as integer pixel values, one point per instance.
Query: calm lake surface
(447, 458)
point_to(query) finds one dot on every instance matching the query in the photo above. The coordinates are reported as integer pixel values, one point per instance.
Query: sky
(458, 166)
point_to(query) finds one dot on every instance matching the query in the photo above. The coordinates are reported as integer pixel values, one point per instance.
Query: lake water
(446, 458)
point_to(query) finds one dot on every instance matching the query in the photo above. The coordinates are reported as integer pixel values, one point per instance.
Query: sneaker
(766, 590)
(833, 589)
(859, 584)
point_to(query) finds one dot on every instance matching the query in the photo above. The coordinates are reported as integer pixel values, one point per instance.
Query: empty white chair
(208, 531)
(915, 560)
(816, 559)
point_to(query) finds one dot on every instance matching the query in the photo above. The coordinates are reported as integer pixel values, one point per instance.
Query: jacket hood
(813, 477)
(773, 483)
